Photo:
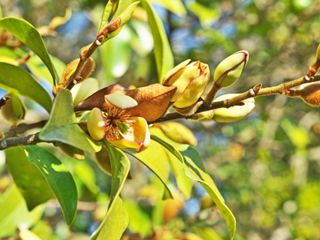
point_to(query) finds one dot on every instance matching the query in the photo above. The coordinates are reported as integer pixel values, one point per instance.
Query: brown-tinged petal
(311, 94)
(153, 101)
(97, 99)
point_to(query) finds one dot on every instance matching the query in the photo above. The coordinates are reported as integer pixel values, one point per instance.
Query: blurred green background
(266, 166)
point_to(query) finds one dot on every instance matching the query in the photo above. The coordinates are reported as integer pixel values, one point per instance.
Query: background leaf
(29, 180)
(116, 219)
(14, 212)
(197, 174)
(58, 178)
(162, 50)
(29, 35)
(62, 126)
(20, 81)
(156, 159)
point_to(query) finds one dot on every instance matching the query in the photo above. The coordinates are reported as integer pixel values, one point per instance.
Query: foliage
(93, 132)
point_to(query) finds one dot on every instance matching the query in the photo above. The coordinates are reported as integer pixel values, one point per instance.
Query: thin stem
(256, 91)
(86, 52)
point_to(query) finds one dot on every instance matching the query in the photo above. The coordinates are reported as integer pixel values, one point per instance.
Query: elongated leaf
(197, 174)
(113, 225)
(194, 172)
(62, 127)
(14, 212)
(184, 183)
(156, 159)
(29, 180)
(162, 50)
(58, 178)
(15, 79)
(28, 34)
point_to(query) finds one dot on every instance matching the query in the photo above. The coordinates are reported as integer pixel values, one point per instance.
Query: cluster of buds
(121, 116)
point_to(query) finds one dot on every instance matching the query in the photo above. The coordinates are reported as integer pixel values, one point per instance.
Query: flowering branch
(256, 91)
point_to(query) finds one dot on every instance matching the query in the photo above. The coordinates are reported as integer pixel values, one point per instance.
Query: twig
(86, 53)
(23, 127)
(255, 91)
(21, 140)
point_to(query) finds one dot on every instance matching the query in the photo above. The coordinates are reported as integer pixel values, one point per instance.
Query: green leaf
(139, 219)
(62, 126)
(183, 181)
(58, 178)
(106, 14)
(197, 174)
(29, 180)
(116, 219)
(115, 222)
(28, 34)
(156, 159)
(15, 79)
(162, 50)
(194, 172)
(14, 212)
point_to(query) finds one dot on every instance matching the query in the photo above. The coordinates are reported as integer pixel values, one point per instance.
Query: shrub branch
(256, 91)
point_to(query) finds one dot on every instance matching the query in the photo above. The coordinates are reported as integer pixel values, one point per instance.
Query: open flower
(119, 128)
(121, 116)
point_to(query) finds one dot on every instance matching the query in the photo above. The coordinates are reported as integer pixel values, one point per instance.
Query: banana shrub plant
(115, 123)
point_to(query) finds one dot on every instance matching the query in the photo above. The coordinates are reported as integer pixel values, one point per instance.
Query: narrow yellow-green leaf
(62, 126)
(28, 34)
(162, 50)
(29, 180)
(58, 178)
(15, 79)
(116, 219)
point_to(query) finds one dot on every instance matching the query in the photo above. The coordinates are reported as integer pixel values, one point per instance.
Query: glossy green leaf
(115, 222)
(162, 50)
(28, 34)
(156, 159)
(197, 174)
(58, 178)
(29, 180)
(116, 219)
(87, 176)
(194, 172)
(16, 79)
(176, 161)
(62, 126)
(14, 212)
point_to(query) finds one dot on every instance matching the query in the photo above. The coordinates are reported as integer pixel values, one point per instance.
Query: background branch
(255, 91)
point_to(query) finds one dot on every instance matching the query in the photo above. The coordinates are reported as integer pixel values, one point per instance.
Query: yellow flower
(116, 126)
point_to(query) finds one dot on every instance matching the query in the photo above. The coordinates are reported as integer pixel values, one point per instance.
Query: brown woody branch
(86, 52)
(255, 91)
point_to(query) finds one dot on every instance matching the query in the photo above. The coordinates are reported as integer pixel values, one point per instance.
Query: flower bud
(96, 124)
(229, 70)
(13, 109)
(190, 80)
(233, 113)
(311, 94)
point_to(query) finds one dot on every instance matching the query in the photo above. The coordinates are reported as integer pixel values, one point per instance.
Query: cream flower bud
(234, 113)
(229, 70)
(96, 124)
(190, 80)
